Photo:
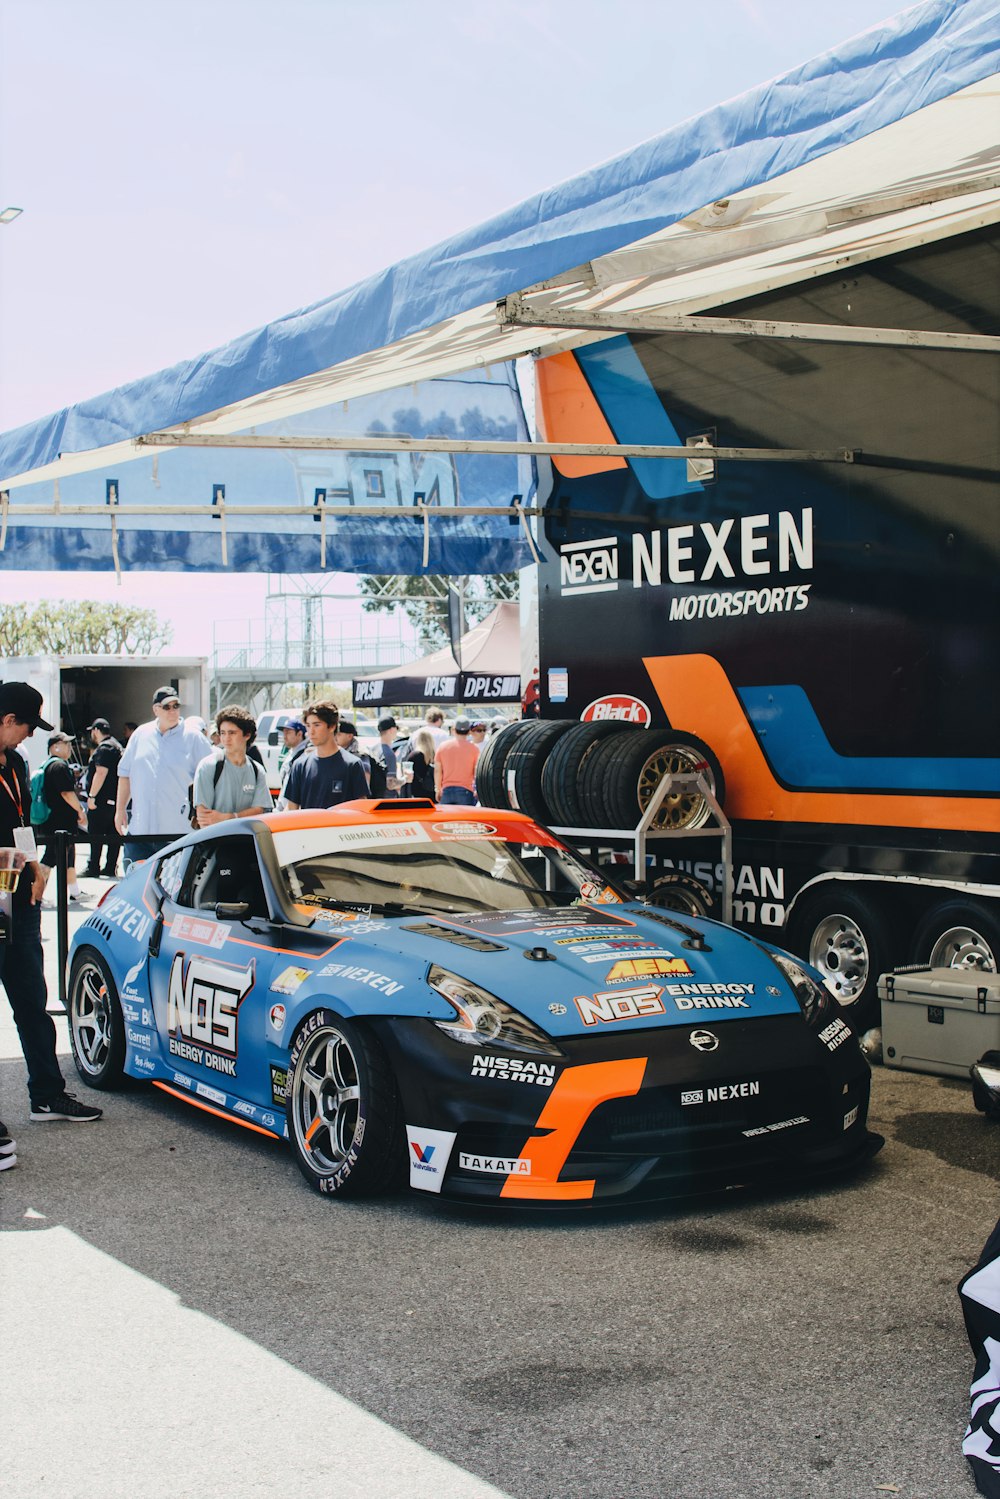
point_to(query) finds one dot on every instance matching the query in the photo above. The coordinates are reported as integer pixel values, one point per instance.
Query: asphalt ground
(181, 1316)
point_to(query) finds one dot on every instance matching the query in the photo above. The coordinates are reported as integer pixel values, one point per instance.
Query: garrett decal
(203, 1000)
(627, 970)
(633, 1004)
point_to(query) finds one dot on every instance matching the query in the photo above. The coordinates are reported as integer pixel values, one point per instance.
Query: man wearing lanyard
(21, 967)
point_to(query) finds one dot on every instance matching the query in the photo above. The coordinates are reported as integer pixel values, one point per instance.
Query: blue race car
(452, 994)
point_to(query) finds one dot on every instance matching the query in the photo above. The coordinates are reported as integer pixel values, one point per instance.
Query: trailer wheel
(635, 766)
(562, 773)
(849, 938)
(491, 786)
(525, 766)
(682, 892)
(959, 934)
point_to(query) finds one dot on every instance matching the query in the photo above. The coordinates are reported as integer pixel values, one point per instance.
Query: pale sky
(192, 169)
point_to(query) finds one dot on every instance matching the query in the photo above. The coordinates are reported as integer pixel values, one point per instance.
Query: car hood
(577, 970)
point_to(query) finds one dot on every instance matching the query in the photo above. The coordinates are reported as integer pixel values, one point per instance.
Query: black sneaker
(66, 1107)
(7, 1145)
(90, 874)
(7, 1162)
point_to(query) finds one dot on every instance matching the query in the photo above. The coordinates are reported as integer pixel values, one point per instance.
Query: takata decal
(197, 929)
(203, 1000)
(495, 1165)
(618, 707)
(124, 916)
(632, 1004)
(627, 970)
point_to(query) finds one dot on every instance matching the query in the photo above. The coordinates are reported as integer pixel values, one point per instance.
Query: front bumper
(641, 1115)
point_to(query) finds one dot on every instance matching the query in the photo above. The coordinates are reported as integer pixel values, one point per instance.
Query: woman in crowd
(421, 757)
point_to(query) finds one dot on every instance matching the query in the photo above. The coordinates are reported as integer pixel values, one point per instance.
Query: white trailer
(77, 689)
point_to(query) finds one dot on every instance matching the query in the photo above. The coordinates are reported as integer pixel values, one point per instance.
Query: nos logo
(203, 998)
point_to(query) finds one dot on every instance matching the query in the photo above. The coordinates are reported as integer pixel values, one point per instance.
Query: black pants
(101, 827)
(24, 979)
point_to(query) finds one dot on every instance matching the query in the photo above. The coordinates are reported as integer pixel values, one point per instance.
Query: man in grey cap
(155, 773)
(455, 768)
(102, 794)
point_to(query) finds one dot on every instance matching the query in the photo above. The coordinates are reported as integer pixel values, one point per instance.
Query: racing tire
(525, 766)
(563, 771)
(343, 1109)
(850, 939)
(959, 934)
(624, 776)
(491, 784)
(96, 1023)
(682, 892)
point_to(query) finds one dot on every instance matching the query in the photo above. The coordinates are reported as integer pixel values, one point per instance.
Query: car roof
(400, 810)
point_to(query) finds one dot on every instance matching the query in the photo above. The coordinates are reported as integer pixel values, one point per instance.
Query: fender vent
(95, 924)
(693, 938)
(460, 939)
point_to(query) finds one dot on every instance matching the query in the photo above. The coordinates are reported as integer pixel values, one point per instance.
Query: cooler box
(939, 1019)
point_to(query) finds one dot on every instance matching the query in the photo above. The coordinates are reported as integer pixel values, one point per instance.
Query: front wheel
(96, 1024)
(343, 1109)
(848, 937)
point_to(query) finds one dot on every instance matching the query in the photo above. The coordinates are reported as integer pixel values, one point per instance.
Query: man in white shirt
(155, 774)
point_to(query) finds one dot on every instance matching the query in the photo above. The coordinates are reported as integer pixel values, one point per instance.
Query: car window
(170, 872)
(224, 869)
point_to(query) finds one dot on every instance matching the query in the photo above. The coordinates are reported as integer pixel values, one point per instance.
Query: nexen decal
(631, 1005)
(121, 914)
(748, 547)
(203, 998)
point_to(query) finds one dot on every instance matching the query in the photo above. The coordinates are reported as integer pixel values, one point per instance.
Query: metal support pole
(61, 839)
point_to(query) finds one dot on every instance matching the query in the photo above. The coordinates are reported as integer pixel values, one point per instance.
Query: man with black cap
(21, 968)
(155, 773)
(455, 768)
(102, 794)
(388, 731)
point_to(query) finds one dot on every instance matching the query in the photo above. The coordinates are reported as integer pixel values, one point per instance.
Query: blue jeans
(457, 796)
(137, 849)
(23, 977)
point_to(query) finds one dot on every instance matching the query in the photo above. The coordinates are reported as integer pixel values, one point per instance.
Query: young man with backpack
(231, 783)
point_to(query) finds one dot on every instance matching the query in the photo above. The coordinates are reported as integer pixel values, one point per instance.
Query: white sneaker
(7, 1161)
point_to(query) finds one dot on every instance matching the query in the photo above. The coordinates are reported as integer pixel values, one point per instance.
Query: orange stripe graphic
(568, 412)
(576, 1095)
(699, 699)
(219, 1113)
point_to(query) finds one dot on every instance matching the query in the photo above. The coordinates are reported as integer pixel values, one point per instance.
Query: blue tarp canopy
(890, 140)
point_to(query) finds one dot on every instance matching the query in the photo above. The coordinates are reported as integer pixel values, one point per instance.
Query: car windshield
(420, 867)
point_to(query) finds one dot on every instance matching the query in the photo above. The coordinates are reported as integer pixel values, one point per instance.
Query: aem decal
(627, 970)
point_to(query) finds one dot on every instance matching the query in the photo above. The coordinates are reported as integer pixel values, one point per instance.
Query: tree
(84, 629)
(425, 600)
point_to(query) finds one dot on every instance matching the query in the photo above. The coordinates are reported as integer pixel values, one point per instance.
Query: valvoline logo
(423, 1153)
(619, 707)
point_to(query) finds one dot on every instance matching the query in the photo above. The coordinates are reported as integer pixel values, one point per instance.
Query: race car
(452, 995)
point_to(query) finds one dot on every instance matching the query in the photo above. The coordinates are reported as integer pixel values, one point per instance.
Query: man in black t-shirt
(102, 791)
(21, 968)
(66, 812)
(328, 776)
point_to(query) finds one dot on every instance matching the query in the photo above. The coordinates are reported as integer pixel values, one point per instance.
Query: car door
(211, 979)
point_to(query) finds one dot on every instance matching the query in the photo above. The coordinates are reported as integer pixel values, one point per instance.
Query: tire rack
(589, 839)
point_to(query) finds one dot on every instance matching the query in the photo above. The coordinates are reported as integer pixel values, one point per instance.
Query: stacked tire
(595, 775)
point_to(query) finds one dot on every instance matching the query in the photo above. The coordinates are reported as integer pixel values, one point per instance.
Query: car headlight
(483, 1020)
(814, 1001)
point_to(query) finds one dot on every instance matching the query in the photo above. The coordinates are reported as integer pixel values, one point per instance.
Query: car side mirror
(234, 910)
(272, 738)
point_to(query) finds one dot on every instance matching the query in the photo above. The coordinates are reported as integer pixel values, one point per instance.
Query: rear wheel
(96, 1024)
(626, 775)
(959, 934)
(343, 1109)
(848, 937)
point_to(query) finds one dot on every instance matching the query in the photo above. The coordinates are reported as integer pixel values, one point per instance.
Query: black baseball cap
(345, 726)
(165, 695)
(387, 722)
(100, 723)
(25, 702)
(58, 737)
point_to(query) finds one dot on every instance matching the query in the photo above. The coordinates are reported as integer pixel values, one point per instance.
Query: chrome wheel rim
(679, 809)
(326, 1100)
(839, 950)
(90, 1013)
(963, 947)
